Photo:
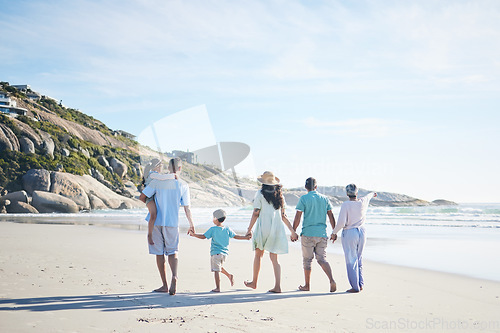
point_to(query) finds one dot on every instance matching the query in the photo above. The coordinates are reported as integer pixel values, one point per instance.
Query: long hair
(273, 195)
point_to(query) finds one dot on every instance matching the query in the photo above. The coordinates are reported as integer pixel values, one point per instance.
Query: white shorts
(166, 240)
(216, 261)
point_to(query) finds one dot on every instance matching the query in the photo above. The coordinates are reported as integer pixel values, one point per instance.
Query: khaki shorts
(313, 246)
(216, 261)
(166, 240)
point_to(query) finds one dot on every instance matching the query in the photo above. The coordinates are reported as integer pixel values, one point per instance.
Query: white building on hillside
(9, 106)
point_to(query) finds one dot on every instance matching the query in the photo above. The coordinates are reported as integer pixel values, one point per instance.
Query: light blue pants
(353, 242)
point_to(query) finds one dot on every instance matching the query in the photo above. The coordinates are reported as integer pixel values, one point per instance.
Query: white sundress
(269, 231)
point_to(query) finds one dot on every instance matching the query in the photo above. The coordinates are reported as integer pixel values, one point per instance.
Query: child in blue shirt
(219, 247)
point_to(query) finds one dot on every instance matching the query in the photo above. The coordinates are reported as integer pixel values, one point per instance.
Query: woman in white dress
(269, 235)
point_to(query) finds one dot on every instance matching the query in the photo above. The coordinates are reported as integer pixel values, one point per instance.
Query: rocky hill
(58, 159)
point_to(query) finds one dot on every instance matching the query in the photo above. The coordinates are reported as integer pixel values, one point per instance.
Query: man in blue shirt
(163, 233)
(315, 207)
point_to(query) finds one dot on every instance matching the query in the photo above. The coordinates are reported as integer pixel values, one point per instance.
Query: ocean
(463, 239)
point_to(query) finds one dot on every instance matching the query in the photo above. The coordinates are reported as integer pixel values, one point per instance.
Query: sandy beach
(58, 278)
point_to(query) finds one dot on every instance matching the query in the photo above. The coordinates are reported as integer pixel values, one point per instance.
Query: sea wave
(476, 216)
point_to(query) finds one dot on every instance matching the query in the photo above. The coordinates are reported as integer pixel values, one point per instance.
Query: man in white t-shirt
(351, 219)
(163, 236)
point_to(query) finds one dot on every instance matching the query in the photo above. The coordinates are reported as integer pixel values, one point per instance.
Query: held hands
(294, 236)
(248, 235)
(333, 237)
(191, 231)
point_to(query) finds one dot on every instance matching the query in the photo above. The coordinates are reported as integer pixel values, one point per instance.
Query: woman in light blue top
(269, 235)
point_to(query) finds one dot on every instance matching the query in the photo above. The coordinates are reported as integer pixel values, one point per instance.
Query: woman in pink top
(352, 217)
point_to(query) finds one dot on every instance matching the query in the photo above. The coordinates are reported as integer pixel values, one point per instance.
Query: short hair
(221, 219)
(174, 164)
(311, 183)
(351, 190)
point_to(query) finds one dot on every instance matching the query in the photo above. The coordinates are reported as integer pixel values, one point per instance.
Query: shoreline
(86, 278)
(387, 244)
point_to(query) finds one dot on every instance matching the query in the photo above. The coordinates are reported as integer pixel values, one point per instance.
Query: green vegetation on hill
(15, 164)
(4, 86)
(75, 116)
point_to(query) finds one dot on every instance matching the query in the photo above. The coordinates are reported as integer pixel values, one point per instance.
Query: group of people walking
(266, 228)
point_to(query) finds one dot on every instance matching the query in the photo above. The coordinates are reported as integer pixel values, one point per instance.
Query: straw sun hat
(268, 178)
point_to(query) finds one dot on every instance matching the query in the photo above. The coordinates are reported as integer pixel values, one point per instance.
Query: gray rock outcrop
(103, 161)
(96, 203)
(36, 180)
(131, 190)
(442, 202)
(27, 146)
(138, 169)
(8, 140)
(64, 184)
(19, 207)
(85, 152)
(47, 145)
(27, 131)
(118, 166)
(19, 196)
(46, 202)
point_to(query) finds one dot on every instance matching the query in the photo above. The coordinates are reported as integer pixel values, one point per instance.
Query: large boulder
(46, 202)
(118, 166)
(8, 140)
(96, 203)
(85, 152)
(93, 188)
(138, 169)
(84, 192)
(27, 146)
(107, 196)
(65, 185)
(103, 161)
(65, 152)
(36, 180)
(131, 190)
(19, 207)
(48, 145)
(19, 196)
(27, 131)
(97, 175)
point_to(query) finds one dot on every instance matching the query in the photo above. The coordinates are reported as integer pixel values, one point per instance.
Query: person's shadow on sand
(124, 302)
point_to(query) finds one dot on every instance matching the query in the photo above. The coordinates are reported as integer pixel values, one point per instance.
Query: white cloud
(271, 46)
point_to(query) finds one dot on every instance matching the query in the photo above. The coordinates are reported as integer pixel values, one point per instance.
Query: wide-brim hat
(268, 178)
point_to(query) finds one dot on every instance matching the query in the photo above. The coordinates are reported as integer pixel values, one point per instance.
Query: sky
(398, 96)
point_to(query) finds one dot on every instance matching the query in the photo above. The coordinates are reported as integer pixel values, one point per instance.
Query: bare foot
(304, 288)
(231, 279)
(361, 288)
(352, 291)
(162, 289)
(173, 286)
(333, 287)
(250, 284)
(275, 290)
(216, 290)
